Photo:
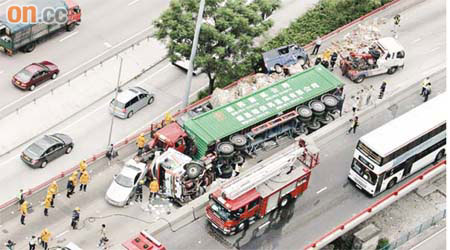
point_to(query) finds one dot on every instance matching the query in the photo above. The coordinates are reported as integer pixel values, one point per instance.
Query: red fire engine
(143, 241)
(263, 188)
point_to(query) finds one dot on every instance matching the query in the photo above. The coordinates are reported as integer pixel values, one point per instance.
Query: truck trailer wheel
(239, 141)
(317, 107)
(330, 101)
(225, 149)
(314, 125)
(193, 169)
(359, 79)
(304, 113)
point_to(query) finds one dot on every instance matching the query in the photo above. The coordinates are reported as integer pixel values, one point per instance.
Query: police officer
(140, 142)
(75, 217)
(139, 191)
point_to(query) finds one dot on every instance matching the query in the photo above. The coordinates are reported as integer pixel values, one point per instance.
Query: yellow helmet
(77, 209)
(142, 182)
(142, 134)
(54, 183)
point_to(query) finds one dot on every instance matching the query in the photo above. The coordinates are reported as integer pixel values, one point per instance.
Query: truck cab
(288, 55)
(170, 136)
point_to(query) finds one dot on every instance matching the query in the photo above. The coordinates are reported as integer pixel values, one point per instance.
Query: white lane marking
(100, 107)
(107, 44)
(417, 40)
(69, 36)
(323, 189)
(61, 234)
(425, 240)
(5, 2)
(433, 49)
(133, 2)
(79, 66)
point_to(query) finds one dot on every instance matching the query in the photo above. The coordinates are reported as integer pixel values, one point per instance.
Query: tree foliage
(226, 35)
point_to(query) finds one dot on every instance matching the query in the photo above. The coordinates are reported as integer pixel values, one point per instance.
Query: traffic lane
(436, 241)
(329, 201)
(122, 222)
(318, 213)
(90, 128)
(100, 33)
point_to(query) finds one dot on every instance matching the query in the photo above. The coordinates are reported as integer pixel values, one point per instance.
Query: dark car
(34, 74)
(47, 149)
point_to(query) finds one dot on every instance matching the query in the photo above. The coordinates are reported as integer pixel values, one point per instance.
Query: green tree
(226, 35)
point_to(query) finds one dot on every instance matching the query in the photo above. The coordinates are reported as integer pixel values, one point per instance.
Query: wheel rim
(238, 140)
(54, 76)
(44, 164)
(32, 87)
(226, 148)
(130, 114)
(69, 149)
(150, 101)
(284, 202)
(301, 61)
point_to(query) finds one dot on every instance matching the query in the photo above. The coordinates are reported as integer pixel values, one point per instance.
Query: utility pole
(115, 98)
(193, 52)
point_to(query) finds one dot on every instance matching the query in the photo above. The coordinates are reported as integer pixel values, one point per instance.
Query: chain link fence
(416, 231)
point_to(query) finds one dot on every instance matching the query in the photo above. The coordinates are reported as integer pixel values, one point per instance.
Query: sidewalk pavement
(81, 92)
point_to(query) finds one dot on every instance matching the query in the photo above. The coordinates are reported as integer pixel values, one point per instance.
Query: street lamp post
(193, 52)
(115, 98)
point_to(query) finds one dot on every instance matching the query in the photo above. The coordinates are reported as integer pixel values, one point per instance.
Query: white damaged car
(124, 184)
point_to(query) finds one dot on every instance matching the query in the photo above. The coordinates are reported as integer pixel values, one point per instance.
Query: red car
(35, 74)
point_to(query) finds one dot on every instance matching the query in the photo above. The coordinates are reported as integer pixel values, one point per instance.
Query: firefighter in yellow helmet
(83, 166)
(47, 203)
(23, 212)
(140, 142)
(84, 180)
(154, 189)
(53, 190)
(45, 238)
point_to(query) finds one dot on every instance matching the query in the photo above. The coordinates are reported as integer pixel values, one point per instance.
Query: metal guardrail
(374, 208)
(416, 231)
(132, 138)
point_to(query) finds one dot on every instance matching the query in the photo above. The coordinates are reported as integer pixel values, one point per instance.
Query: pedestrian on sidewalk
(32, 242)
(83, 167)
(84, 180)
(21, 197)
(70, 187)
(317, 46)
(53, 190)
(23, 212)
(333, 60)
(355, 106)
(139, 191)
(45, 237)
(103, 238)
(355, 124)
(140, 142)
(47, 204)
(75, 218)
(10, 245)
(424, 85)
(382, 90)
(154, 188)
(396, 25)
(427, 92)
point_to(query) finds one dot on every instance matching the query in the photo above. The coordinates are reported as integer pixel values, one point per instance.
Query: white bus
(400, 147)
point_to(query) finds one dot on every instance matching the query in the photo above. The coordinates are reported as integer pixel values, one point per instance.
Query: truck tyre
(300, 130)
(227, 171)
(242, 226)
(301, 61)
(239, 141)
(330, 102)
(29, 48)
(304, 113)
(238, 159)
(225, 149)
(70, 27)
(314, 125)
(317, 107)
(193, 169)
(285, 200)
(359, 79)
(392, 70)
(327, 119)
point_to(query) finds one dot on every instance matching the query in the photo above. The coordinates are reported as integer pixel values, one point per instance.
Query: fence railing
(416, 231)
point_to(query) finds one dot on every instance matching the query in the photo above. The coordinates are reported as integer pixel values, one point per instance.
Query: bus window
(364, 172)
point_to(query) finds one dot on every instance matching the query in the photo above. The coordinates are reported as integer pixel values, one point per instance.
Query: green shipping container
(265, 103)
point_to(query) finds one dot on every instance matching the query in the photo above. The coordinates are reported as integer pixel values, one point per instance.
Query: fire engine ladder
(261, 172)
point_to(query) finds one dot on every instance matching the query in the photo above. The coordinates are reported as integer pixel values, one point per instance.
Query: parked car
(275, 59)
(34, 74)
(124, 184)
(130, 101)
(47, 149)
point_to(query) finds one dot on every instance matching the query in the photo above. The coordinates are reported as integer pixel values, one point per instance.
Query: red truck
(25, 36)
(263, 188)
